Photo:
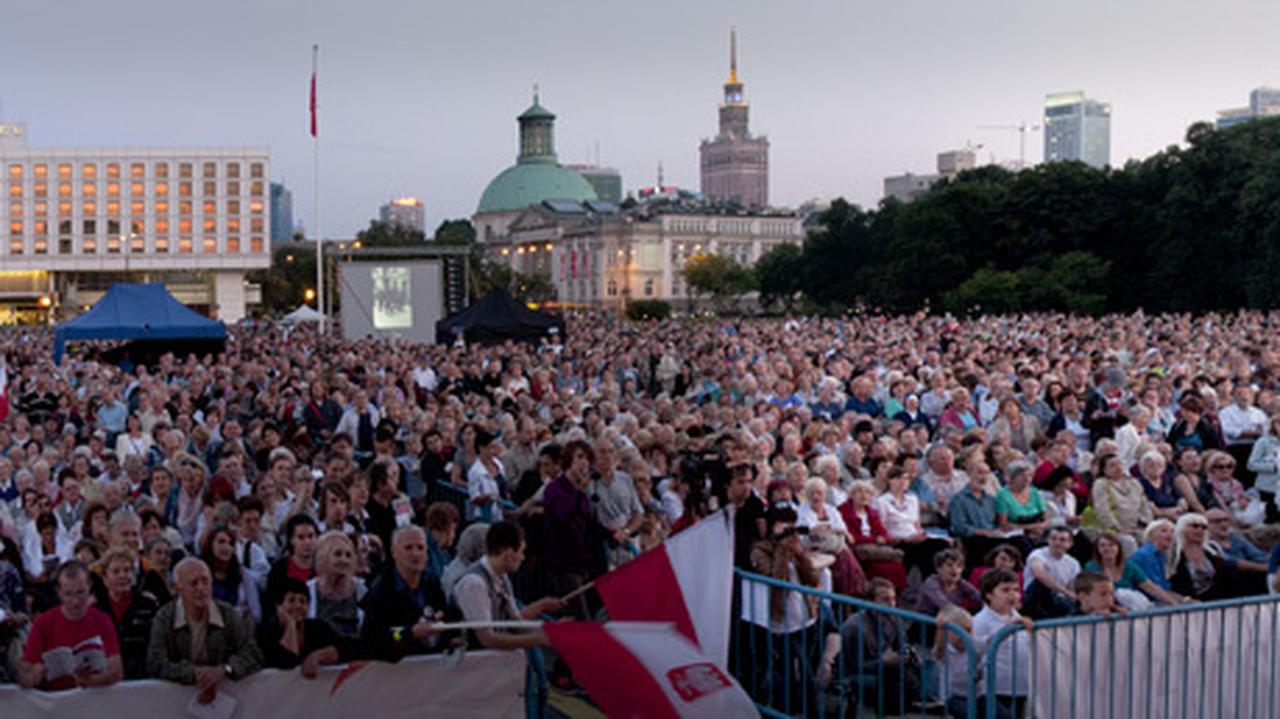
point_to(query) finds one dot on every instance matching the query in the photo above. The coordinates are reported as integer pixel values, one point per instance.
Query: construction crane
(1022, 129)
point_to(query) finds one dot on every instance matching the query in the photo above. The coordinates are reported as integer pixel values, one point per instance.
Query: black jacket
(391, 609)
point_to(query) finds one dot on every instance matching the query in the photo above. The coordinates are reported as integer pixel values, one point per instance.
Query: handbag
(869, 552)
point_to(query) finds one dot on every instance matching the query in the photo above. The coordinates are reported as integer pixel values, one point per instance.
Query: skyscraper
(735, 165)
(281, 213)
(1263, 102)
(406, 212)
(1077, 128)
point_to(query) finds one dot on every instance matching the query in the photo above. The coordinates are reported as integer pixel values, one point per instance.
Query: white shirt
(1013, 651)
(806, 517)
(1062, 570)
(1236, 421)
(755, 604)
(480, 484)
(899, 519)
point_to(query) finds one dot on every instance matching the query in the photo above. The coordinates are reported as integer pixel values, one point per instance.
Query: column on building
(228, 295)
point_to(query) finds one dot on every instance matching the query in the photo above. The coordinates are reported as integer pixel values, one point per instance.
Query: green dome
(531, 183)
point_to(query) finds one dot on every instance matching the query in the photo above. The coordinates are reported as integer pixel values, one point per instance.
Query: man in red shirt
(73, 644)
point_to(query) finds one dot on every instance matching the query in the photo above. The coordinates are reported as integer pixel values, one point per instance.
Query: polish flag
(687, 581)
(647, 669)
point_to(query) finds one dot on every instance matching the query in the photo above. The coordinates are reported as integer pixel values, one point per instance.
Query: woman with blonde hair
(829, 535)
(335, 591)
(1196, 567)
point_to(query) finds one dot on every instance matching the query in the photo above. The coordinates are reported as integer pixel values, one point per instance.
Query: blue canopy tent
(146, 313)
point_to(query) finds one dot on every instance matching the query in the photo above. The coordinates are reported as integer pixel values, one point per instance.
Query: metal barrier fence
(826, 654)
(457, 496)
(1216, 659)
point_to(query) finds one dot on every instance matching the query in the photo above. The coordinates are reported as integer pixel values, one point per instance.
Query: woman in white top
(900, 512)
(133, 441)
(486, 480)
(1131, 437)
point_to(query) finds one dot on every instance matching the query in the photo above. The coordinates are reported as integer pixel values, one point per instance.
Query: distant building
(281, 213)
(908, 187)
(78, 219)
(606, 181)
(734, 164)
(1077, 128)
(406, 212)
(1263, 102)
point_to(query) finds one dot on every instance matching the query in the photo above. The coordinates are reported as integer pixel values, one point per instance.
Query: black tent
(497, 317)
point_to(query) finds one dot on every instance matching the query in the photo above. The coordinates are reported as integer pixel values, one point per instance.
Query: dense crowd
(299, 500)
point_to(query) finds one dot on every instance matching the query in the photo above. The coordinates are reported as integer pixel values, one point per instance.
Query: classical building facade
(734, 164)
(75, 220)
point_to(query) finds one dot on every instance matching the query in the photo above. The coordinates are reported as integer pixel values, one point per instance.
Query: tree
(987, 290)
(639, 310)
(382, 234)
(779, 275)
(719, 276)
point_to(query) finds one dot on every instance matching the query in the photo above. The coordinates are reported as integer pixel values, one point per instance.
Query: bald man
(198, 640)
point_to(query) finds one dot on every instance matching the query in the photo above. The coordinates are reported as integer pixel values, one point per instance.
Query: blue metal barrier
(1216, 659)
(884, 658)
(456, 495)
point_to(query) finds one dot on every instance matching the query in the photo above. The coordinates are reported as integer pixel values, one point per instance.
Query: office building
(606, 181)
(1077, 128)
(734, 164)
(281, 213)
(75, 220)
(908, 187)
(405, 212)
(1263, 102)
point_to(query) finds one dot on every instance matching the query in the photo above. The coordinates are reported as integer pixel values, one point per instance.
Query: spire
(535, 93)
(733, 55)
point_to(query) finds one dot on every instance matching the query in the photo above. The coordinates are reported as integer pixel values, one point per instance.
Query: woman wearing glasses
(1196, 567)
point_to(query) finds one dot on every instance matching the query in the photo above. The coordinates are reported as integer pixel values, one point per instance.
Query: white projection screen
(391, 299)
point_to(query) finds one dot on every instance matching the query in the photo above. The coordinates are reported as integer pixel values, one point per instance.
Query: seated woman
(1197, 569)
(1119, 504)
(1221, 489)
(1134, 590)
(334, 594)
(1019, 505)
(289, 639)
(1164, 497)
(1060, 501)
(1004, 556)
(1188, 477)
(828, 534)
(947, 585)
(899, 511)
(872, 544)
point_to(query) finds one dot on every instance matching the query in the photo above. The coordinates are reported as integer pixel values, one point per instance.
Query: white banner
(1212, 663)
(486, 684)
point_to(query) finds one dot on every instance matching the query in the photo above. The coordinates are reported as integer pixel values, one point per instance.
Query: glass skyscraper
(1077, 128)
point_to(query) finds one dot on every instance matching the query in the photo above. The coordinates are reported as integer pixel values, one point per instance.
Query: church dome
(536, 176)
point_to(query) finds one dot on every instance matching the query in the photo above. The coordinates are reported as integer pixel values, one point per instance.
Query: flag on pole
(315, 50)
(635, 669)
(687, 581)
(4, 389)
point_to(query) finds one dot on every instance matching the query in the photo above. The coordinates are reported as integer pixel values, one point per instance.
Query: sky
(420, 97)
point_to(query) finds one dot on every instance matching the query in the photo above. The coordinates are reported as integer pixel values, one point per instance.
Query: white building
(75, 220)
(406, 212)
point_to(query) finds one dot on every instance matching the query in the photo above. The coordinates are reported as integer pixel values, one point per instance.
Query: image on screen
(392, 298)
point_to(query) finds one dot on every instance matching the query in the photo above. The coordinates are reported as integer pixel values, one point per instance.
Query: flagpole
(315, 144)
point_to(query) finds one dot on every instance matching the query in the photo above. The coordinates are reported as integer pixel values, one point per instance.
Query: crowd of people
(299, 500)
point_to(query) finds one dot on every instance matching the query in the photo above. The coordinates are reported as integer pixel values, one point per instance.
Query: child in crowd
(1096, 594)
(999, 591)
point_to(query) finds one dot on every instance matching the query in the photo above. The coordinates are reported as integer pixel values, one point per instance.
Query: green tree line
(1194, 227)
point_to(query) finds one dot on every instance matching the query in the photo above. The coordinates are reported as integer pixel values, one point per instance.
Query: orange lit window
(162, 244)
(15, 227)
(89, 188)
(233, 189)
(41, 208)
(162, 170)
(64, 189)
(15, 208)
(255, 170)
(162, 189)
(137, 244)
(256, 189)
(41, 247)
(89, 207)
(233, 244)
(113, 245)
(184, 225)
(210, 245)
(15, 172)
(113, 170)
(233, 225)
(41, 171)
(113, 189)
(15, 190)
(256, 224)
(255, 244)
(210, 189)
(41, 189)
(137, 188)
(184, 189)
(233, 207)
(136, 207)
(210, 169)
(137, 226)
(184, 207)
(113, 208)
(64, 207)
(233, 169)
(64, 171)
(90, 246)
(184, 245)
(89, 171)
(15, 247)
(184, 169)
(210, 225)
(162, 207)
(162, 225)
(210, 207)
(256, 207)
(137, 169)
(41, 227)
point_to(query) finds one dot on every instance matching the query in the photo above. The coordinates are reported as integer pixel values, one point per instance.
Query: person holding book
(73, 644)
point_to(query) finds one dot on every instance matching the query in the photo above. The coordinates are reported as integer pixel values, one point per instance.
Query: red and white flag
(687, 581)
(647, 670)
